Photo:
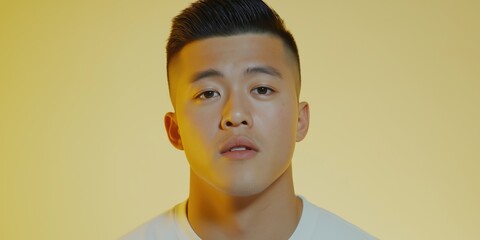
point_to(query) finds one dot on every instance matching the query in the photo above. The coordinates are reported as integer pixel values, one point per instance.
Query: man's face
(237, 113)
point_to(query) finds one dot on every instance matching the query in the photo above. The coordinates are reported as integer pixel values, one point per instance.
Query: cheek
(280, 120)
(197, 126)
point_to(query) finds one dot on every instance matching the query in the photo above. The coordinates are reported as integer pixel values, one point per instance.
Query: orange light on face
(237, 87)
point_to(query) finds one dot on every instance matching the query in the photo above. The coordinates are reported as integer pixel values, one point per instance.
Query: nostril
(235, 124)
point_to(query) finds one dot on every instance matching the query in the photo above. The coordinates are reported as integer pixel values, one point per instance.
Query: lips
(239, 147)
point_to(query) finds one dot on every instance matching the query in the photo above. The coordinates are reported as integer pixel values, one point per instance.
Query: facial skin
(237, 86)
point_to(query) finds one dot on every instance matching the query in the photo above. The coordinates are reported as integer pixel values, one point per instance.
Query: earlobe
(303, 120)
(171, 126)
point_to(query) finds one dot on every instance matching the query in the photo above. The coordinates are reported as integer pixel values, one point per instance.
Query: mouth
(239, 147)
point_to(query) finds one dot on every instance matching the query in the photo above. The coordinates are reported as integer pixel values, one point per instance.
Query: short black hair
(213, 18)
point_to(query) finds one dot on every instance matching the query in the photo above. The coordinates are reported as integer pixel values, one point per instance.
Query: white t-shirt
(315, 223)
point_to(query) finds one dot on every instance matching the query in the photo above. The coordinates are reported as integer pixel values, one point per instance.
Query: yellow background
(394, 140)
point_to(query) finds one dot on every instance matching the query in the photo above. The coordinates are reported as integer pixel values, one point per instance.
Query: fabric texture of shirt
(315, 223)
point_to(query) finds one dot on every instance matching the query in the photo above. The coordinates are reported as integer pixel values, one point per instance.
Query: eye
(208, 94)
(263, 90)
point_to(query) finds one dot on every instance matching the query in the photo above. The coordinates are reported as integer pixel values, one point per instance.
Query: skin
(242, 85)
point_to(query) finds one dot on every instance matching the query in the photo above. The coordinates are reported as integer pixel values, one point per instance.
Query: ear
(171, 125)
(303, 120)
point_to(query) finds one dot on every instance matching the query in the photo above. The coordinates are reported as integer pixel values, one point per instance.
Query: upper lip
(238, 141)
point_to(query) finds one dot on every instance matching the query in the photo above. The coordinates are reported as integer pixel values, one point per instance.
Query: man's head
(235, 93)
(214, 18)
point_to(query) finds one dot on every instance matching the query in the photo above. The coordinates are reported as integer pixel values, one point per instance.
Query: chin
(245, 189)
(243, 192)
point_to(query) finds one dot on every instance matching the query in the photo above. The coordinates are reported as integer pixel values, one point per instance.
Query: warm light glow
(393, 92)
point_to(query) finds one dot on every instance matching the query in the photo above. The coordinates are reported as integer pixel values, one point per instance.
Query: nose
(236, 113)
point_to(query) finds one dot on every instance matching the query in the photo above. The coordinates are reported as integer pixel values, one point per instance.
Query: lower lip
(240, 155)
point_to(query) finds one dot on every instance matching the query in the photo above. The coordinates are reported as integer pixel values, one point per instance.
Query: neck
(272, 214)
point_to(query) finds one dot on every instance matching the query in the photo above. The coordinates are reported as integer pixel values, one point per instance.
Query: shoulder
(172, 224)
(319, 223)
(159, 227)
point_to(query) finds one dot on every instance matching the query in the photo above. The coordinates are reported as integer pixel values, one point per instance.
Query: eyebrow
(206, 74)
(264, 69)
(251, 70)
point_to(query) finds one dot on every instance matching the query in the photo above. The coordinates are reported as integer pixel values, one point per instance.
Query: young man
(234, 79)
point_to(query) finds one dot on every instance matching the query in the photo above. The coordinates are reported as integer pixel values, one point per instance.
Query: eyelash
(202, 94)
(269, 90)
(216, 94)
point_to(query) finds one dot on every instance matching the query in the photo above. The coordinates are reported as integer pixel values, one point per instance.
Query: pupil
(209, 94)
(262, 90)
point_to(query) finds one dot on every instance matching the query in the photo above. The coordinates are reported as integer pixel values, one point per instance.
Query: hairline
(290, 52)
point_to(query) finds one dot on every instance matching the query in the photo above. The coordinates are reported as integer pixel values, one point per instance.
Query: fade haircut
(215, 18)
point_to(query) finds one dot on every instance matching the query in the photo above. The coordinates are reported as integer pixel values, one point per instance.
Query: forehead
(231, 55)
(234, 50)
